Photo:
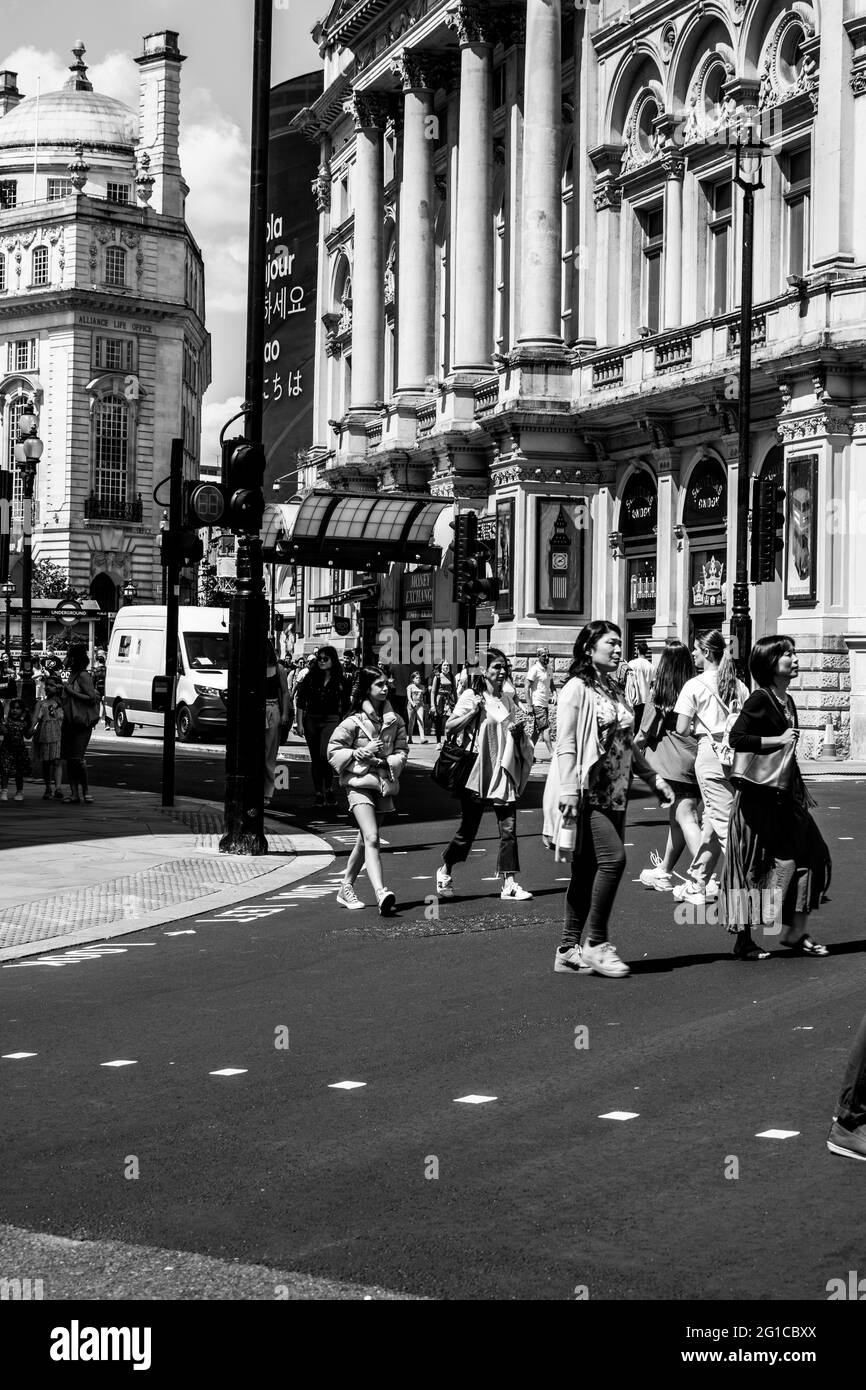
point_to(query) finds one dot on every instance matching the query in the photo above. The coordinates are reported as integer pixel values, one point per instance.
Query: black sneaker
(848, 1143)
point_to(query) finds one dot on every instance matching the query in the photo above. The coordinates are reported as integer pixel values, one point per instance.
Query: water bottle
(567, 838)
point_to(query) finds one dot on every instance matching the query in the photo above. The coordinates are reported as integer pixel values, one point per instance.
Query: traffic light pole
(245, 715)
(171, 587)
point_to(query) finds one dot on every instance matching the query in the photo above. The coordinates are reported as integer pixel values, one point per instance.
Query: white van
(136, 653)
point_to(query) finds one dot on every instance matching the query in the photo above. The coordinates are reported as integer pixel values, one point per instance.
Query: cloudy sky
(216, 95)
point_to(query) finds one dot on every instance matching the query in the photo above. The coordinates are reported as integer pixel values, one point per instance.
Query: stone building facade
(529, 277)
(102, 318)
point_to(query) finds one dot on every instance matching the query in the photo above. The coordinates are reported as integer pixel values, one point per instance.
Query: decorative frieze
(813, 425)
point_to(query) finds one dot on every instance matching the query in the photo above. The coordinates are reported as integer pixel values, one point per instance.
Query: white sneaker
(689, 892)
(604, 960)
(570, 962)
(4, 796)
(444, 884)
(19, 796)
(659, 879)
(347, 897)
(514, 893)
(387, 902)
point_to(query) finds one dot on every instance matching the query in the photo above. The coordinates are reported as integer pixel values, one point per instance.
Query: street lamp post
(28, 452)
(748, 153)
(7, 590)
(130, 593)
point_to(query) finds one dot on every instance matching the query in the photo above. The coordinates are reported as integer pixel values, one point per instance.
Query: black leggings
(76, 774)
(318, 732)
(596, 870)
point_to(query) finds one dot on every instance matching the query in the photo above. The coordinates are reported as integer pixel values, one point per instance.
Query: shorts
(381, 804)
(540, 720)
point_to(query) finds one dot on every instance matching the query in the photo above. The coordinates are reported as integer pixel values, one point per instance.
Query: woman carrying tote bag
(672, 756)
(777, 865)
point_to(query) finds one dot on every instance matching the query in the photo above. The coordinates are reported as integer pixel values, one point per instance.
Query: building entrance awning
(366, 531)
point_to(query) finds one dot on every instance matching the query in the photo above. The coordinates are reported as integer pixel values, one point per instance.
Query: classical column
(415, 299)
(674, 167)
(368, 271)
(473, 337)
(541, 256)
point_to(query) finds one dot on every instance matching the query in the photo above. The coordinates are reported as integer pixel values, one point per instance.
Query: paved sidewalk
(73, 874)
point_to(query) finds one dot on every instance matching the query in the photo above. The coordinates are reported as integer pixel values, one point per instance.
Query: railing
(674, 353)
(426, 417)
(374, 433)
(98, 508)
(608, 371)
(759, 332)
(486, 397)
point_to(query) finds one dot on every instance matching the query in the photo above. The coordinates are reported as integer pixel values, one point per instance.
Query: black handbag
(773, 770)
(456, 760)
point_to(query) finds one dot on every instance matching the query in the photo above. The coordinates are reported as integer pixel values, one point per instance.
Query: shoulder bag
(773, 770)
(722, 747)
(457, 759)
(80, 711)
(369, 781)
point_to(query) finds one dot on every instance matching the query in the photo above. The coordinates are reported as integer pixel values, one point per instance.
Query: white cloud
(213, 416)
(116, 74)
(215, 159)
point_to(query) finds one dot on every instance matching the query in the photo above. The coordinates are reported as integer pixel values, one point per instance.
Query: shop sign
(342, 625)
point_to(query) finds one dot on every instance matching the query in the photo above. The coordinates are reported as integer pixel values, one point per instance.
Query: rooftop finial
(78, 82)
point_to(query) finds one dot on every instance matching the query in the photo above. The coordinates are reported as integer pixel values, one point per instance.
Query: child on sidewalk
(14, 757)
(47, 726)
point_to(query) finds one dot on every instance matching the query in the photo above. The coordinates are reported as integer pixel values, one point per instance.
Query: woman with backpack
(672, 756)
(705, 707)
(368, 752)
(81, 705)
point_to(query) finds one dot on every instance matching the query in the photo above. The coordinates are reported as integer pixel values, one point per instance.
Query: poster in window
(560, 536)
(504, 567)
(801, 529)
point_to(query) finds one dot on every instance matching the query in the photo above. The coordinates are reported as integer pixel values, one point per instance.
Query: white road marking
(834, 808)
(345, 1085)
(121, 1062)
(620, 1115)
(479, 851)
(230, 1071)
(628, 844)
(421, 878)
(473, 1100)
(846, 837)
(804, 1028)
(17, 1056)
(189, 932)
(777, 1134)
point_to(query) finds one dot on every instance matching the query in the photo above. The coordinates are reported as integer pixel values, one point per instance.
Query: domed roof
(74, 115)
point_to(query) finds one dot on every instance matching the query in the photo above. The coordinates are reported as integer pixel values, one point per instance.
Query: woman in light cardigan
(587, 792)
(498, 778)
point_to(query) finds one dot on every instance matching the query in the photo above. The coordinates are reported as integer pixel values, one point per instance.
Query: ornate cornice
(674, 165)
(607, 195)
(813, 426)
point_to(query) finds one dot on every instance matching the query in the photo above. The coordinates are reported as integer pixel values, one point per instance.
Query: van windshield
(207, 651)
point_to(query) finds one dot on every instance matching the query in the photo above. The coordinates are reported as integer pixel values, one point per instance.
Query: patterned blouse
(611, 776)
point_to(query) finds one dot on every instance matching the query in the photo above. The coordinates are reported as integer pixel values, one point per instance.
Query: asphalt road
(398, 1183)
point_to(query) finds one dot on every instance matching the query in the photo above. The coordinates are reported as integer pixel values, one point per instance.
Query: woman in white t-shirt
(703, 708)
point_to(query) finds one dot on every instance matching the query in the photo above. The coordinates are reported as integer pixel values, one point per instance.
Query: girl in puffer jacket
(368, 751)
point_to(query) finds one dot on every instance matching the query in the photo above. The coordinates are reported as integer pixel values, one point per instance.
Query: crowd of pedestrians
(55, 733)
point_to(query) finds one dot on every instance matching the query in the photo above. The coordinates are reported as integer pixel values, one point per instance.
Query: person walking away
(415, 697)
(777, 864)
(80, 713)
(642, 674)
(587, 793)
(99, 686)
(368, 751)
(672, 756)
(847, 1135)
(539, 693)
(497, 780)
(14, 754)
(321, 702)
(704, 707)
(47, 729)
(278, 716)
(443, 697)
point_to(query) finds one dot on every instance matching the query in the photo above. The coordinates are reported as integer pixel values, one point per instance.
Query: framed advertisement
(560, 534)
(504, 561)
(801, 530)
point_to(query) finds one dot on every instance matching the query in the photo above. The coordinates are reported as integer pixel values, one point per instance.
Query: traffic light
(237, 503)
(472, 557)
(768, 538)
(180, 548)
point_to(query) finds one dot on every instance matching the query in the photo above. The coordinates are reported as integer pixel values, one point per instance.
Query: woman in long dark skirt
(778, 865)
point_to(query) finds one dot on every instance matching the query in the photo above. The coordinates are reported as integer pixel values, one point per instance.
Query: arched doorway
(104, 590)
(638, 524)
(767, 607)
(705, 518)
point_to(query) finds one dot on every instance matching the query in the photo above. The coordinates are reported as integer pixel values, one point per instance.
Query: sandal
(750, 952)
(807, 947)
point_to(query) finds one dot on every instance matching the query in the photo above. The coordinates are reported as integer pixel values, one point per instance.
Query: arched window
(16, 407)
(111, 482)
(115, 266)
(568, 251)
(40, 265)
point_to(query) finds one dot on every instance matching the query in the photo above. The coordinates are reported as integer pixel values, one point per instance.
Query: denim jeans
(596, 869)
(318, 732)
(851, 1112)
(472, 810)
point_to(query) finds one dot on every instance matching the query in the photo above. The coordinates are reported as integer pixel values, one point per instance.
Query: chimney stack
(9, 93)
(159, 119)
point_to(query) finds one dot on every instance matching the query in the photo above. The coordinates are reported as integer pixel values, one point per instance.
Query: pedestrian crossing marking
(620, 1115)
(121, 1062)
(230, 1071)
(778, 1134)
(188, 932)
(474, 1100)
(846, 837)
(345, 1085)
(17, 1056)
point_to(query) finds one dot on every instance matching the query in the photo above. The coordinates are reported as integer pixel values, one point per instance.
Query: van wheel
(122, 726)
(185, 726)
